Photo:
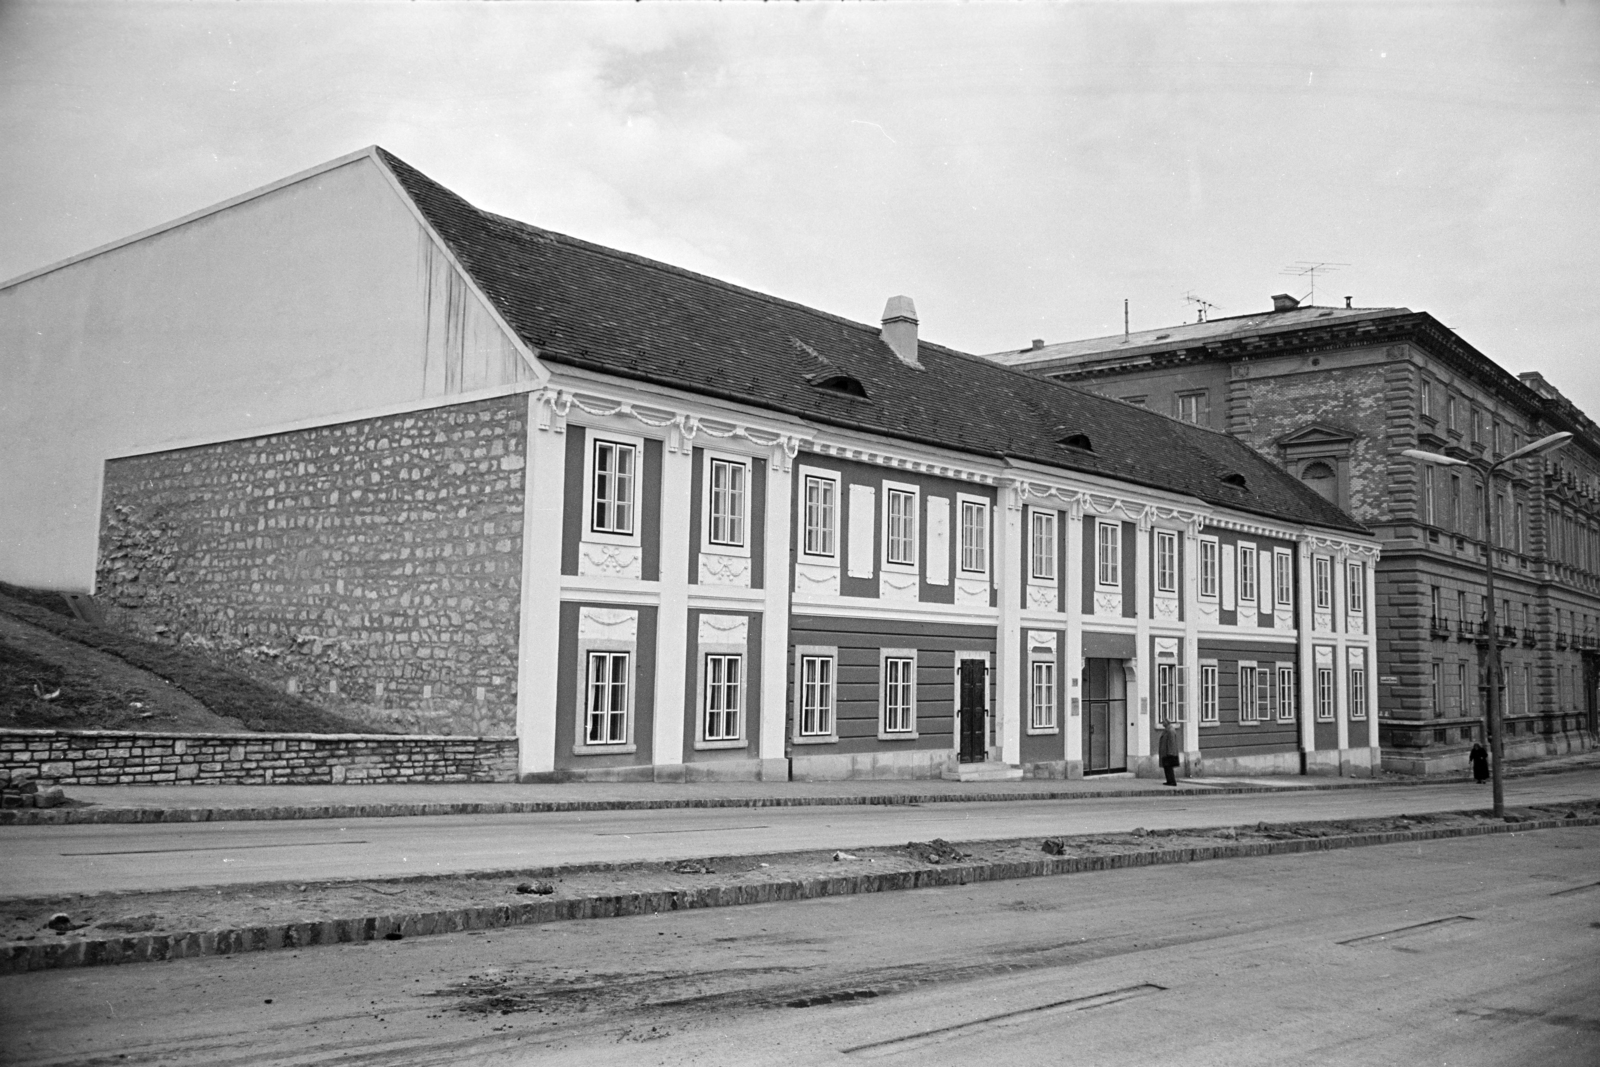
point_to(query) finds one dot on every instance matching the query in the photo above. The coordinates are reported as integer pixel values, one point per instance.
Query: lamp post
(1537, 448)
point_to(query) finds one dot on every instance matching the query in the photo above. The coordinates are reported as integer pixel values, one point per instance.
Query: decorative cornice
(553, 406)
(898, 460)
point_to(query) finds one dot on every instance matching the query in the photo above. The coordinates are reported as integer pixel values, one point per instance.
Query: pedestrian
(1480, 762)
(1169, 747)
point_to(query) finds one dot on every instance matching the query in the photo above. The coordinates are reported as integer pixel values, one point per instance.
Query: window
(1287, 696)
(1108, 552)
(1043, 554)
(821, 515)
(1136, 401)
(1191, 407)
(1358, 692)
(1426, 402)
(1170, 696)
(1324, 694)
(1208, 693)
(815, 697)
(1166, 561)
(1455, 502)
(1322, 478)
(1464, 697)
(727, 502)
(1450, 413)
(900, 527)
(1042, 704)
(974, 536)
(1517, 531)
(723, 677)
(1208, 568)
(1355, 588)
(1436, 691)
(1323, 573)
(612, 491)
(1283, 578)
(606, 721)
(1247, 573)
(899, 693)
(1428, 513)
(1250, 709)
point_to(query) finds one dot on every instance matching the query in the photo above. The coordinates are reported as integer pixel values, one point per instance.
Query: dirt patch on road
(114, 915)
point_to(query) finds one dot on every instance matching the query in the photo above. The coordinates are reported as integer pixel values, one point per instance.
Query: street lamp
(1537, 448)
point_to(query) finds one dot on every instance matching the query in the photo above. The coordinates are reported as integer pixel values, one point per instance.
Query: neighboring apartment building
(454, 473)
(1334, 395)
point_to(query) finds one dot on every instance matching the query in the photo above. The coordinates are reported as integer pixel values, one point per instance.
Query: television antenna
(1305, 268)
(1204, 307)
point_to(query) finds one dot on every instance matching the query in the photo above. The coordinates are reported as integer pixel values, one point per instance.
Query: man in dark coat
(1480, 762)
(1169, 748)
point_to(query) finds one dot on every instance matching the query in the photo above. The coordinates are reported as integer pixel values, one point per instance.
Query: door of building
(1591, 693)
(973, 708)
(1105, 720)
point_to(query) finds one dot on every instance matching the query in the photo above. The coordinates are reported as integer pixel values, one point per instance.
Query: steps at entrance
(991, 771)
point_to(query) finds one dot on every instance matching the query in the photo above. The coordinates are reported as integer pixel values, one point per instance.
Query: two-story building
(1334, 395)
(497, 480)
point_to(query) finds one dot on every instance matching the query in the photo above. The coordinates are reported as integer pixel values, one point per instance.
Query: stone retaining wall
(119, 757)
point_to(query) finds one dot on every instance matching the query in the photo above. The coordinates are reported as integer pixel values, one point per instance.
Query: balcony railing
(1439, 626)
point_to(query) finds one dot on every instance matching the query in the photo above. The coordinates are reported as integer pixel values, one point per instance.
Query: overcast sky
(1018, 169)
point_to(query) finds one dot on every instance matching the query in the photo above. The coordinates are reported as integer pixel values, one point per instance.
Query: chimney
(1347, 300)
(1038, 343)
(900, 329)
(1284, 302)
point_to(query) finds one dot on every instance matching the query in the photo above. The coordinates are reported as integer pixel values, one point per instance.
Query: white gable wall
(321, 298)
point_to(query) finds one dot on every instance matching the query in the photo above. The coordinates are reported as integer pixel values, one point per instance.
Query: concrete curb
(19, 957)
(64, 816)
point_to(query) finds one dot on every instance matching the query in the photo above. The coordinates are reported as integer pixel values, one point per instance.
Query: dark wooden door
(974, 686)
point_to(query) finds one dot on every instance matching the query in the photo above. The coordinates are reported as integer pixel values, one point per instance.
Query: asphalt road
(90, 858)
(1469, 951)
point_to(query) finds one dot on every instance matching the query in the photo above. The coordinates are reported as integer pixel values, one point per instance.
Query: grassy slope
(259, 707)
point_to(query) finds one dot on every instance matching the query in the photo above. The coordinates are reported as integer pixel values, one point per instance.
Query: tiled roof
(1167, 338)
(585, 305)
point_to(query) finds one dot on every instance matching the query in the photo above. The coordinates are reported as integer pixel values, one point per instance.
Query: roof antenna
(1305, 268)
(1124, 319)
(1205, 306)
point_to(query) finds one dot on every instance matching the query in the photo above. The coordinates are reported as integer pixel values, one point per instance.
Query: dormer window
(1079, 441)
(1235, 479)
(839, 382)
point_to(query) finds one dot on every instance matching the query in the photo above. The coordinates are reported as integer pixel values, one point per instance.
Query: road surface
(1469, 951)
(91, 858)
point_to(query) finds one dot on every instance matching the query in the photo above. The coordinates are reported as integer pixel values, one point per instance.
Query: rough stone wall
(1338, 394)
(117, 757)
(373, 567)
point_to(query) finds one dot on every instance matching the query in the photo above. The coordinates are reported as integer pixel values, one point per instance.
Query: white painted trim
(591, 440)
(831, 559)
(890, 488)
(775, 610)
(902, 611)
(672, 615)
(962, 499)
(710, 456)
(539, 629)
(884, 655)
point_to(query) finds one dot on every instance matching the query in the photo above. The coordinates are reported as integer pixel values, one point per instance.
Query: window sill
(828, 739)
(711, 548)
(604, 750)
(1043, 731)
(899, 735)
(707, 746)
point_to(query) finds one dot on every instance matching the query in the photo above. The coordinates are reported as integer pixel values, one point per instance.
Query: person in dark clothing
(1480, 762)
(1169, 748)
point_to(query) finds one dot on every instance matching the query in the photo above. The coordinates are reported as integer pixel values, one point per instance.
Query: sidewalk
(226, 803)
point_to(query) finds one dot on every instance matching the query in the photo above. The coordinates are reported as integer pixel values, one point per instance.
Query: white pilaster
(1073, 657)
(543, 491)
(1341, 665)
(672, 617)
(1305, 621)
(1190, 592)
(775, 611)
(1139, 743)
(1369, 638)
(1008, 640)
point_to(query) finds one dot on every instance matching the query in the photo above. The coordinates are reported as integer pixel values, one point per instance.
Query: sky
(1018, 169)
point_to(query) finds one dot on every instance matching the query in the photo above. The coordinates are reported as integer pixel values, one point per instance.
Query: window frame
(1355, 587)
(1288, 692)
(981, 505)
(1247, 574)
(1325, 694)
(1046, 520)
(1165, 560)
(611, 656)
(833, 481)
(738, 539)
(1172, 704)
(736, 687)
(1249, 693)
(1283, 578)
(591, 474)
(1210, 569)
(1356, 675)
(1196, 398)
(912, 495)
(1043, 661)
(1322, 582)
(804, 654)
(891, 660)
(1100, 559)
(1210, 704)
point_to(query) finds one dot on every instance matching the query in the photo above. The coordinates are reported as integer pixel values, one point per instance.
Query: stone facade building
(467, 475)
(1334, 395)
